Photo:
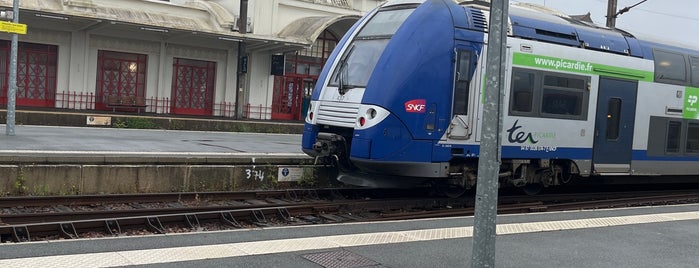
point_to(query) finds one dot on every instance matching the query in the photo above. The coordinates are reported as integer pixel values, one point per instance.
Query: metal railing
(86, 101)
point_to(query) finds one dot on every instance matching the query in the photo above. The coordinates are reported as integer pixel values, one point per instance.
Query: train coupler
(328, 144)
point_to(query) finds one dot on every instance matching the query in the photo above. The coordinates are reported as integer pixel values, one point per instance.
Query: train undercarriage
(531, 175)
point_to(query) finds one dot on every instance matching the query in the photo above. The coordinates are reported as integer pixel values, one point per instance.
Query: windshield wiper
(342, 88)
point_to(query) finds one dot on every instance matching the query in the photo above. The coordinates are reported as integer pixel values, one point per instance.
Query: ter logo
(692, 99)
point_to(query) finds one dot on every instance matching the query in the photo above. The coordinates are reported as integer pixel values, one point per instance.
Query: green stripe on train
(583, 67)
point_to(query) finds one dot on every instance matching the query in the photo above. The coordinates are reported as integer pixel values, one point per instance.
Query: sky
(675, 20)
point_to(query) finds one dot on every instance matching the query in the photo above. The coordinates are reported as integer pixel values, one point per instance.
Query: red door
(36, 74)
(119, 74)
(193, 87)
(287, 98)
(292, 90)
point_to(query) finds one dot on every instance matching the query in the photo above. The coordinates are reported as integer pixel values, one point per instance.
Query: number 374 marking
(254, 174)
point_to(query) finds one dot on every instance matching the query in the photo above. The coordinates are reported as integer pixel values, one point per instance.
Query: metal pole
(484, 226)
(239, 76)
(611, 13)
(243, 29)
(12, 80)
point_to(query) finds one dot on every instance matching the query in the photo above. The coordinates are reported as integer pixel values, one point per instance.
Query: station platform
(57, 160)
(666, 236)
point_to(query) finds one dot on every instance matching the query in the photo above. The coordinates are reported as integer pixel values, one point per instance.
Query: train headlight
(370, 115)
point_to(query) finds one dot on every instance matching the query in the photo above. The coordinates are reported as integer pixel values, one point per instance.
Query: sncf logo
(415, 106)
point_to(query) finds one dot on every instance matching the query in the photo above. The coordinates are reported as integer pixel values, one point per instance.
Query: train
(399, 102)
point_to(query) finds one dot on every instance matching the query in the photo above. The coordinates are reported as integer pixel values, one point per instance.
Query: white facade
(190, 29)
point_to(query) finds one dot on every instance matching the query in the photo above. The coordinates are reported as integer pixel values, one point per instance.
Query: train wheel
(532, 188)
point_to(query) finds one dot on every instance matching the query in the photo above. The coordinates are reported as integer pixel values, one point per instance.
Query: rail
(85, 216)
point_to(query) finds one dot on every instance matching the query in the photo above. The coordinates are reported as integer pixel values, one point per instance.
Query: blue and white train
(400, 99)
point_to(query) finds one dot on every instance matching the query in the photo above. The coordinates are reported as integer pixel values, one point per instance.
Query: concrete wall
(73, 179)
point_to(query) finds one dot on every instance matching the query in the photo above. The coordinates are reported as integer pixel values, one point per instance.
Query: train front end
(378, 107)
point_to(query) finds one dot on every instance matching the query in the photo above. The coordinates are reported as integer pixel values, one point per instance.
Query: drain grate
(339, 259)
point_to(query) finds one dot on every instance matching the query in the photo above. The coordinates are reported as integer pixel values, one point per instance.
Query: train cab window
(613, 116)
(694, 69)
(673, 137)
(563, 96)
(522, 91)
(692, 138)
(670, 67)
(361, 56)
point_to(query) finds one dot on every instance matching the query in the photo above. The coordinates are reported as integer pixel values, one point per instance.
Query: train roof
(535, 22)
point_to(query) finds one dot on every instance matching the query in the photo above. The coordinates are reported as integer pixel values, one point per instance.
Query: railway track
(46, 218)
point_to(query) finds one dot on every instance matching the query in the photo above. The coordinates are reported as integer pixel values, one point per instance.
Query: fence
(257, 112)
(86, 101)
(75, 100)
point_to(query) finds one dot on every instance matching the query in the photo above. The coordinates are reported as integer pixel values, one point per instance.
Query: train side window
(692, 138)
(694, 69)
(670, 67)
(462, 78)
(522, 91)
(564, 97)
(672, 144)
(613, 115)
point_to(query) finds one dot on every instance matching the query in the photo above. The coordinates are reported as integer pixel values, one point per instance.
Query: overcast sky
(676, 20)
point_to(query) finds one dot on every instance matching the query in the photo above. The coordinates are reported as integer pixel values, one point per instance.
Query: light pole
(12, 81)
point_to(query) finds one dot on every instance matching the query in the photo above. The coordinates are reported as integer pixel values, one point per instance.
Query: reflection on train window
(692, 138)
(694, 67)
(562, 95)
(670, 67)
(613, 115)
(564, 82)
(522, 91)
(673, 137)
(561, 102)
(549, 95)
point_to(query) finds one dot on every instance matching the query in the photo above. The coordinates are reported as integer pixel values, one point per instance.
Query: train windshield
(359, 60)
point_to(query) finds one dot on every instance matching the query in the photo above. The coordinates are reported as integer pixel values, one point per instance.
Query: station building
(240, 59)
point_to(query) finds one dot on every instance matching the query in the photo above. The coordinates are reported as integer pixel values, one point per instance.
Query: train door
(463, 98)
(616, 106)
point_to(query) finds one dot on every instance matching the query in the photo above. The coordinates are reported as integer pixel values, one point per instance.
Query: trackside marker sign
(415, 106)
